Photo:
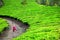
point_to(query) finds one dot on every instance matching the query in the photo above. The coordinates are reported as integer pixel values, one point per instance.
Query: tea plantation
(44, 21)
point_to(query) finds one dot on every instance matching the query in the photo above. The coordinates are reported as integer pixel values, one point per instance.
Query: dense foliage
(49, 2)
(44, 20)
(3, 24)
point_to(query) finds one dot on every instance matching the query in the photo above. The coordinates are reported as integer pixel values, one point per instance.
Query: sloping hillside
(44, 20)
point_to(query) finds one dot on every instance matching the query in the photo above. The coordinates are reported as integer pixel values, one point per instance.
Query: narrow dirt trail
(9, 34)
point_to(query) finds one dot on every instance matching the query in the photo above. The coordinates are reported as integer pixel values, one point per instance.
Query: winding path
(9, 34)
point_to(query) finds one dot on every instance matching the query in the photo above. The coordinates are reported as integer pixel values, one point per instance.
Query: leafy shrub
(3, 24)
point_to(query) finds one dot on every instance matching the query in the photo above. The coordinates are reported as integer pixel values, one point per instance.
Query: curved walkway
(9, 34)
